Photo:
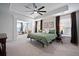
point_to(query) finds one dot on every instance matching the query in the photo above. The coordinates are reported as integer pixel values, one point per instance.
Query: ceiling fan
(35, 10)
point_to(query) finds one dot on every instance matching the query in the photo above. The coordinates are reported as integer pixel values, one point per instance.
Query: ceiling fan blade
(41, 8)
(41, 11)
(32, 13)
(34, 5)
(28, 11)
(27, 7)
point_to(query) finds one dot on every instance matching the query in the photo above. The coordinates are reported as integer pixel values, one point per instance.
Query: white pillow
(46, 31)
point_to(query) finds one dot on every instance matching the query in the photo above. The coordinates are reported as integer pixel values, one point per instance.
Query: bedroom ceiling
(20, 9)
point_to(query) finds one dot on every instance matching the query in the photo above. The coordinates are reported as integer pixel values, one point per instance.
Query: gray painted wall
(7, 22)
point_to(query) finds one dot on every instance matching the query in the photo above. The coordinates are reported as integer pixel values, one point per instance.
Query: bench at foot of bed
(43, 45)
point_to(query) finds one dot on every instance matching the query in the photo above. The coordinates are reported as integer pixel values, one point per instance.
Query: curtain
(21, 27)
(74, 39)
(58, 26)
(35, 26)
(41, 23)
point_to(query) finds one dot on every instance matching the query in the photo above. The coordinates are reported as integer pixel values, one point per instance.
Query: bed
(44, 38)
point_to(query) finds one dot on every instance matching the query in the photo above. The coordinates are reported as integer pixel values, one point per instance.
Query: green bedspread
(45, 38)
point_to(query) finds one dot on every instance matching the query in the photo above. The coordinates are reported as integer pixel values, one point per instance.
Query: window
(65, 25)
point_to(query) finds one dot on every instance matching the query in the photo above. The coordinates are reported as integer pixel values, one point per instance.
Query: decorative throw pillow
(52, 31)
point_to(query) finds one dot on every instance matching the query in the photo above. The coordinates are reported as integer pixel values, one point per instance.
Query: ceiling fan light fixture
(35, 12)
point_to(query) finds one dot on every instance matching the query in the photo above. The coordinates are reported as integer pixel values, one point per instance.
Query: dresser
(3, 38)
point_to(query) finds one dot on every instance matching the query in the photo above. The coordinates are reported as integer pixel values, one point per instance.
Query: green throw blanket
(45, 38)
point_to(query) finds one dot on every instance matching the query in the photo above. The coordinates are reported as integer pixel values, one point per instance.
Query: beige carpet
(24, 47)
